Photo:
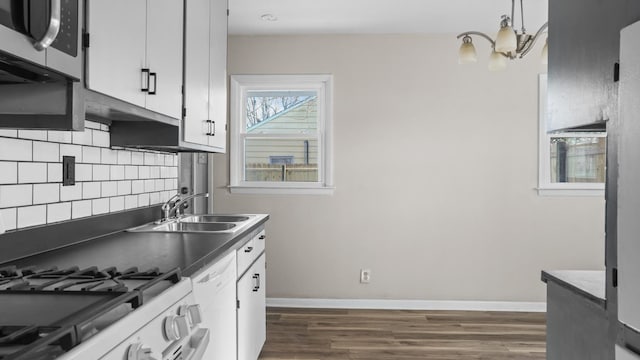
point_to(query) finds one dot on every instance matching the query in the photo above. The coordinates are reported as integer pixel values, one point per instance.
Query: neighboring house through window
(281, 134)
(570, 163)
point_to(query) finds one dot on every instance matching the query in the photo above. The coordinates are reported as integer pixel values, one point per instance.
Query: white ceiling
(378, 16)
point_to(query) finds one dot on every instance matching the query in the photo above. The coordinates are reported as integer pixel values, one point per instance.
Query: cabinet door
(164, 56)
(197, 37)
(252, 329)
(218, 75)
(629, 179)
(116, 55)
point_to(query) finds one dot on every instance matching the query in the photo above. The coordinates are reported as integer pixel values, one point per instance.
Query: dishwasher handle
(198, 343)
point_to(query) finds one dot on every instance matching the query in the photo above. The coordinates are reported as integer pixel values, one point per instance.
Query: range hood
(33, 97)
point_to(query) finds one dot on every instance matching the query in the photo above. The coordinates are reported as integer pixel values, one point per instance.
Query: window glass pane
(273, 159)
(282, 112)
(578, 159)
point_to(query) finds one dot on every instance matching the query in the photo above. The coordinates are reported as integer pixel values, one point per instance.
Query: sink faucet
(173, 205)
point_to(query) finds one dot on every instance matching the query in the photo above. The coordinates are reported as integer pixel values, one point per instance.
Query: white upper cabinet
(205, 80)
(135, 52)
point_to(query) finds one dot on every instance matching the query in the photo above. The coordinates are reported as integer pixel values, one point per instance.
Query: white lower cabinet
(252, 317)
(252, 311)
(215, 291)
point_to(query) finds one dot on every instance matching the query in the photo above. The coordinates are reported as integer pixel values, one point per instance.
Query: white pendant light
(467, 53)
(506, 41)
(497, 61)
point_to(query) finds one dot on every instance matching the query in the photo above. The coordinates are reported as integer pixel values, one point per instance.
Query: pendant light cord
(522, 17)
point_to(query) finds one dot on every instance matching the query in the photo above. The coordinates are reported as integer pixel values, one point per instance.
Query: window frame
(240, 86)
(545, 186)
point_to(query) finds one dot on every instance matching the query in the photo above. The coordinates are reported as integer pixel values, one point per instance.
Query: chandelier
(509, 44)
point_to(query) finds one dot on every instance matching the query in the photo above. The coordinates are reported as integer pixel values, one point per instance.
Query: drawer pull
(262, 237)
(256, 287)
(248, 249)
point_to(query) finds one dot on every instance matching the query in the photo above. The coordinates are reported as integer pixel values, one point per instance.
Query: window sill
(570, 192)
(282, 190)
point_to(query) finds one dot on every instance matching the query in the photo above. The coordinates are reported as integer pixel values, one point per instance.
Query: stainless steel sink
(194, 226)
(213, 218)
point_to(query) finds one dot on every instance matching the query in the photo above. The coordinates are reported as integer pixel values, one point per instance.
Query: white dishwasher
(215, 290)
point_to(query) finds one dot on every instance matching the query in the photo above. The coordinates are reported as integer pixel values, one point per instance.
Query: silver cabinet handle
(256, 287)
(53, 29)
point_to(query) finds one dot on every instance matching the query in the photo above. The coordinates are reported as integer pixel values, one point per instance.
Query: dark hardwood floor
(403, 335)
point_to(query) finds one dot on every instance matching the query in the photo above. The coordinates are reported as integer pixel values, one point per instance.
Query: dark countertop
(188, 251)
(587, 283)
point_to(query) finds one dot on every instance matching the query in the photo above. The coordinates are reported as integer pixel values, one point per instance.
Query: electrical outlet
(365, 276)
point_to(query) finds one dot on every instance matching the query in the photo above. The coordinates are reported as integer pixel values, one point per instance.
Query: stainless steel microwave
(40, 40)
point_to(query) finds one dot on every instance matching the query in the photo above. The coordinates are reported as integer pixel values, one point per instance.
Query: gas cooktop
(46, 312)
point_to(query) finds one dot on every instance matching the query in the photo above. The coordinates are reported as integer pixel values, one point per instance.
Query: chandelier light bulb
(506, 41)
(545, 52)
(497, 61)
(467, 53)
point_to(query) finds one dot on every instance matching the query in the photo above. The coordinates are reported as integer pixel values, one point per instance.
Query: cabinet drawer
(250, 251)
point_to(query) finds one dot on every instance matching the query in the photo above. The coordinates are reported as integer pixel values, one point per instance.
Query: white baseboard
(517, 306)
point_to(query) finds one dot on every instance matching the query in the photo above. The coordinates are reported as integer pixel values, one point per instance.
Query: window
(570, 163)
(281, 134)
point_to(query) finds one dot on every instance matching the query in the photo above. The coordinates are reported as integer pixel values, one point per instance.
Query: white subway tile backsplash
(9, 218)
(46, 151)
(137, 186)
(29, 173)
(9, 133)
(8, 172)
(160, 185)
(58, 212)
(150, 158)
(170, 184)
(117, 172)
(92, 125)
(32, 216)
(90, 155)
(16, 149)
(71, 192)
(101, 138)
(149, 185)
(46, 193)
(108, 180)
(143, 199)
(71, 150)
(154, 198)
(109, 156)
(84, 172)
(109, 188)
(144, 172)
(124, 157)
(137, 158)
(82, 137)
(116, 203)
(130, 202)
(54, 172)
(80, 209)
(131, 172)
(101, 172)
(154, 172)
(90, 190)
(100, 206)
(59, 136)
(15, 195)
(124, 187)
(33, 134)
